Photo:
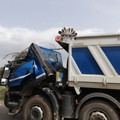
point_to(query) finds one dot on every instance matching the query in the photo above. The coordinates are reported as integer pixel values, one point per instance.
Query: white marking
(19, 77)
(40, 75)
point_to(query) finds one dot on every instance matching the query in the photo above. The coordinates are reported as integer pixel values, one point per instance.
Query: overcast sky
(25, 21)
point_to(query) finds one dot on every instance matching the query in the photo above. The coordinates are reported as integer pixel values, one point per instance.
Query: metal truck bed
(94, 61)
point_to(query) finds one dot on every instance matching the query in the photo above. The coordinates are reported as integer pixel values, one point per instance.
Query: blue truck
(87, 89)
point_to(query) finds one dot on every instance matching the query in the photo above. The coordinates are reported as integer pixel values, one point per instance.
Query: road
(4, 114)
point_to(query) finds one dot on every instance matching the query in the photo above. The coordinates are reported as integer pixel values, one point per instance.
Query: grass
(2, 92)
(2, 89)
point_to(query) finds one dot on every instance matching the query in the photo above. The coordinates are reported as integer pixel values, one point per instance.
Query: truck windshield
(54, 59)
(53, 56)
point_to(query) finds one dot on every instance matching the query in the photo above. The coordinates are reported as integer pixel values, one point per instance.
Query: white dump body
(94, 61)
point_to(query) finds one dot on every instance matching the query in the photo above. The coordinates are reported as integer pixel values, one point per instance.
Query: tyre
(98, 110)
(37, 108)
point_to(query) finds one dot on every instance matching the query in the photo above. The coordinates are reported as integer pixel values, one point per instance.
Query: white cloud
(91, 31)
(118, 31)
(17, 39)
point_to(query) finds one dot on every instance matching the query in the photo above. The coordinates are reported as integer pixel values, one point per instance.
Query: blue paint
(32, 66)
(21, 71)
(38, 70)
(61, 75)
(85, 61)
(113, 54)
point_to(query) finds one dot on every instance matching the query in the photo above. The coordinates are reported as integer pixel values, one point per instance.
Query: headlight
(4, 81)
(6, 72)
(5, 75)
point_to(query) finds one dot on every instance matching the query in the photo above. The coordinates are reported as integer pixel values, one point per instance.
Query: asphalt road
(4, 114)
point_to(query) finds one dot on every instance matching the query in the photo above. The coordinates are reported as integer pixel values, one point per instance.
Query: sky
(25, 21)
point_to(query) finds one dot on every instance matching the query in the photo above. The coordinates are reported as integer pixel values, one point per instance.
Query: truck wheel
(37, 108)
(98, 110)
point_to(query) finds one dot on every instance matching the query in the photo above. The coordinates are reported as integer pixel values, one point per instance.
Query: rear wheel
(98, 110)
(37, 108)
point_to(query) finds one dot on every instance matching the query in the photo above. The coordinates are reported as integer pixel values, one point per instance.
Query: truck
(41, 88)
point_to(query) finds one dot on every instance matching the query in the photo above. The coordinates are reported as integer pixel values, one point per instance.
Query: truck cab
(34, 66)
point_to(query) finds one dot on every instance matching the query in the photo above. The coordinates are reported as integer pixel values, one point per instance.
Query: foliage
(2, 92)
(0, 72)
(2, 88)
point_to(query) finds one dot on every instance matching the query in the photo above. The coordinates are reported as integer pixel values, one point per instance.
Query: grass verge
(2, 92)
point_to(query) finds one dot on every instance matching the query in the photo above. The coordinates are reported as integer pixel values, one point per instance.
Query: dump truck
(87, 89)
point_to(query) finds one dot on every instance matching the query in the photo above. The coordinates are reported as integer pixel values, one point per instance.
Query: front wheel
(37, 108)
(98, 110)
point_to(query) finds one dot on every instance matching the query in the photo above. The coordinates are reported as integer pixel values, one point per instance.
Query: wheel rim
(98, 116)
(36, 113)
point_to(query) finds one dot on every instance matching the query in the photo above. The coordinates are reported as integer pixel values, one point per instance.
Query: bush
(2, 92)
(0, 71)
